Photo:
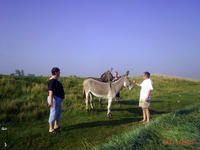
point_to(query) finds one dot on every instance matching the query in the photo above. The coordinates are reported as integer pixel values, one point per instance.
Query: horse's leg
(109, 107)
(86, 100)
(91, 102)
(100, 102)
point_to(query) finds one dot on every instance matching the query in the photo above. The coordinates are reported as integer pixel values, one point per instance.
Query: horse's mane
(99, 79)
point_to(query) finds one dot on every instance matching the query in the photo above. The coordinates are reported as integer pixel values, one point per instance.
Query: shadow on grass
(137, 110)
(102, 123)
(111, 122)
(134, 102)
(157, 101)
(186, 111)
(128, 102)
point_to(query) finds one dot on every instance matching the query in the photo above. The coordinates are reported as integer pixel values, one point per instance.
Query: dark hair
(147, 74)
(54, 70)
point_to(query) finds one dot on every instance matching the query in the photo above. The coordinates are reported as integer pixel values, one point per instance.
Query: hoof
(87, 110)
(109, 115)
(93, 109)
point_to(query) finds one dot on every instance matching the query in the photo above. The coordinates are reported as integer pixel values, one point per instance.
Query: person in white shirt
(145, 96)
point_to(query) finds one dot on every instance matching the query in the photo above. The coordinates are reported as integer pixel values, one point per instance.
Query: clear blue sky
(87, 37)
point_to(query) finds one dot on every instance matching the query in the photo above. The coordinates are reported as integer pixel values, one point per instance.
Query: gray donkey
(104, 90)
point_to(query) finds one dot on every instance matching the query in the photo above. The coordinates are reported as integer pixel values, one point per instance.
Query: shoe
(58, 129)
(53, 132)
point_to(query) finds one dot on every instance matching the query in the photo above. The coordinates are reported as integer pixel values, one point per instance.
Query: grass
(178, 130)
(23, 109)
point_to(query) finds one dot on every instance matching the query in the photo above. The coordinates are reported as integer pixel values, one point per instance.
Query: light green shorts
(144, 104)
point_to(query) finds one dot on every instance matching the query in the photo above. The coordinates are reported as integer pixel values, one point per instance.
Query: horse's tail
(84, 94)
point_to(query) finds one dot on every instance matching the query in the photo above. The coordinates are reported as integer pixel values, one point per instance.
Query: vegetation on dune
(23, 109)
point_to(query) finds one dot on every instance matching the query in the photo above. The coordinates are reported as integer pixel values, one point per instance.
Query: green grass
(23, 109)
(178, 130)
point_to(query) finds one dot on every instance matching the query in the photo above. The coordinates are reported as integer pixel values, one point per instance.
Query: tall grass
(24, 98)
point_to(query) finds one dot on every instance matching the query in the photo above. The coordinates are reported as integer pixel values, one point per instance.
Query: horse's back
(98, 79)
(95, 85)
(91, 80)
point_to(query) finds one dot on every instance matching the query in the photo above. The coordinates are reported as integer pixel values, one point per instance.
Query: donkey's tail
(84, 94)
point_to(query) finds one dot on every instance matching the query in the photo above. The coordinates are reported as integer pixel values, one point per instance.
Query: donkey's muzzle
(130, 87)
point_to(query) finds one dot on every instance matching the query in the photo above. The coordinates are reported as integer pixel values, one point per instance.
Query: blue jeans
(55, 109)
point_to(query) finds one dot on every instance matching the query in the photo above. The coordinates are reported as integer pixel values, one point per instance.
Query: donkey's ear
(127, 73)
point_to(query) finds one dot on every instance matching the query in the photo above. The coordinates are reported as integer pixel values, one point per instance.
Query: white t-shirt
(146, 85)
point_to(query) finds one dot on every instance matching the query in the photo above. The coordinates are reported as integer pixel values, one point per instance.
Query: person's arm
(51, 85)
(149, 93)
(136, 83)
(51, 98)
(150, 88)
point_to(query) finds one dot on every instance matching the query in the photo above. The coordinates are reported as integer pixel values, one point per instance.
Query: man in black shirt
(57, 88)
(56, 95)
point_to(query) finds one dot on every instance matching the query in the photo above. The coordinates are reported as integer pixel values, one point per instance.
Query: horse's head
(108, 76)
(127, 83)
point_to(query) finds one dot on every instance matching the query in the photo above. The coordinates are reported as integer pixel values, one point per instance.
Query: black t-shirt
(57, 88)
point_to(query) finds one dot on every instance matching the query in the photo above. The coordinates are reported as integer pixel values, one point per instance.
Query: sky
(88, 37)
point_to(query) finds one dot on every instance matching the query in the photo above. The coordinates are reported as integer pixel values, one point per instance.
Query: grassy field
(177, 130)
(23, 109)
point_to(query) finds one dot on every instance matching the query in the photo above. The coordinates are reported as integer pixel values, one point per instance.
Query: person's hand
(50, 104)
(134, 81)
(146, 100)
